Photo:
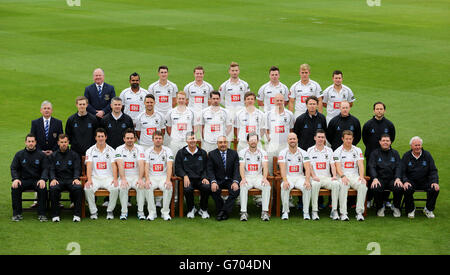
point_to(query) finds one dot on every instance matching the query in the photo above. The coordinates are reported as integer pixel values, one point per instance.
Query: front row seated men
(253, 167)
(29, 171)
(65, 172)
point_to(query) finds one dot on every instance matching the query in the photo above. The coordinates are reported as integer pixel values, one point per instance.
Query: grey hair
(226, 138)
(414, 138)
(103, 72)
(46, 102)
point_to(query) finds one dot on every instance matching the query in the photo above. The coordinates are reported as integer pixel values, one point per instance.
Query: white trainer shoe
(204, 214)
(285, 216)
(265, 216)
(334, 215)
(412, 214)
(56, 219)
(306, 216)
(396, 213)
(428, 213)
(151, 217)
(166, 217)
(344, 217)
(244, 216)
(76, 219)
(315, 216)
(359, 217)
(109, 216)
(191, 214)
(380, 212)
(94, 216)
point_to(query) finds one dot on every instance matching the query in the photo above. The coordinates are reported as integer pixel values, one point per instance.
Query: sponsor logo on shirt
(101, 165)
(129, 165)
(252, 167)
(321, 165)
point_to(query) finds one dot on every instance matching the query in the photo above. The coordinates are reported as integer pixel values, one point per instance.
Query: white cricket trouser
(104, 183)
(255, 182)
(123, 193)
(326, 183)
(158, 182)
(175, 146)
(297, 182)
(360, 197)
(273, 150)
(208, 147)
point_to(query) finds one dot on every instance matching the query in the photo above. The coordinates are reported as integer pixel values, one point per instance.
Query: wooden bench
(131, 192)
(298, 193)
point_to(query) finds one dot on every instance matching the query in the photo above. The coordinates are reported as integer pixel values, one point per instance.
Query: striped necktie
(99, 91)
(224, 159)
(46, 129)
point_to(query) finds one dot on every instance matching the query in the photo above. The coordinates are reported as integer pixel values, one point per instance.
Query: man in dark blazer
(46, 129)
(99, 95)
(223, 177)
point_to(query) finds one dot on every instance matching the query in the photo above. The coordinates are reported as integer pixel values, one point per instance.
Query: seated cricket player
(158, 171)
(101, 172)
(349, 161)
(321, 158)
(253, 167)
(291, 161)
(130, 160)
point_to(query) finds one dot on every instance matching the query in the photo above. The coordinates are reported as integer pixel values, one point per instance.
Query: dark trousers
(16, 197)
(379, 197)
(221, 204)
(75, 191)
(205, 190)
(432, 195)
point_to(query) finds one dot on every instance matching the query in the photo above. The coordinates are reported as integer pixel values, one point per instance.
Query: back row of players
(197, 109)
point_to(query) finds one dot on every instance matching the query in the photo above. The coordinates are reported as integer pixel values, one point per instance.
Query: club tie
(46, 129)
(224, 159)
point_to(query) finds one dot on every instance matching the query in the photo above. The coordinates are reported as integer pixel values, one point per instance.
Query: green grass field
(397, 53)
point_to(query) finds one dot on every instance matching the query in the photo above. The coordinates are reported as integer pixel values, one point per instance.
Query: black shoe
(219, 216)
(224, 216)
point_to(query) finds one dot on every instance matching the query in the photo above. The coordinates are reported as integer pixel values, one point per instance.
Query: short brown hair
(80, 98)
(247, 94)
(199, 68)
(234, 64)
(347, 132)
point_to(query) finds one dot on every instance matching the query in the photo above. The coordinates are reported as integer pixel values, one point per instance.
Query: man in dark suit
(46, 129)
(99, 95)
(223, 173)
